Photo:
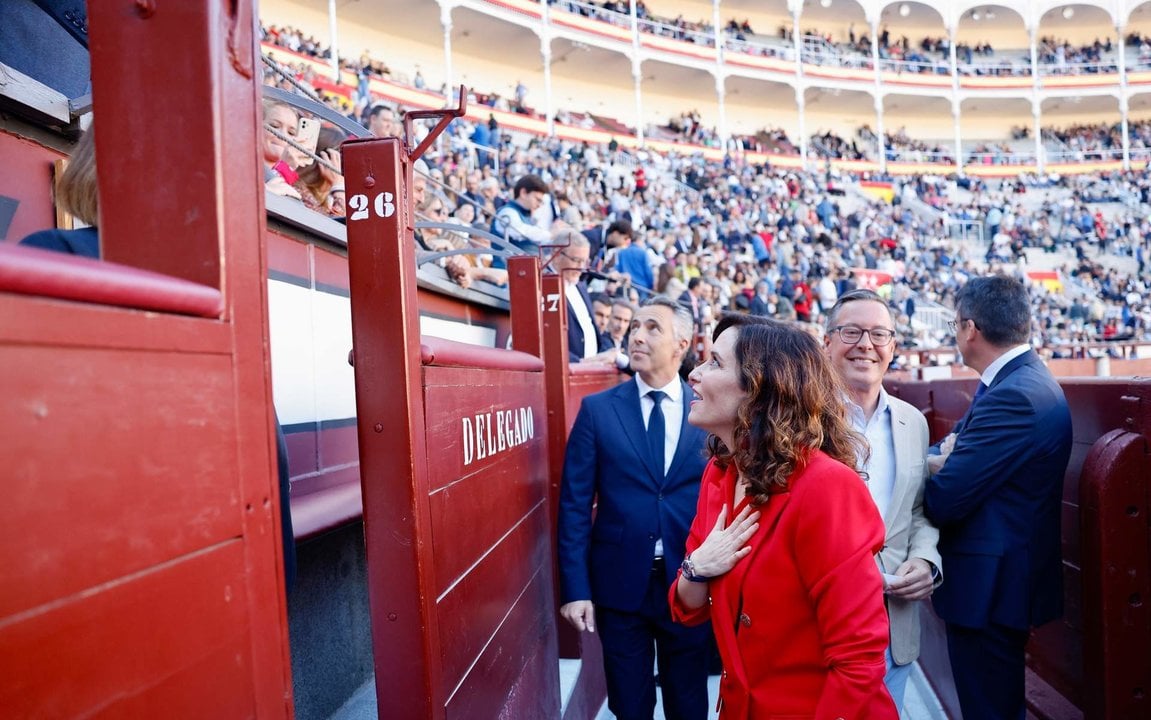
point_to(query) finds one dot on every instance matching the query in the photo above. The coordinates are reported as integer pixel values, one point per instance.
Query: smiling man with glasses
(860, 343)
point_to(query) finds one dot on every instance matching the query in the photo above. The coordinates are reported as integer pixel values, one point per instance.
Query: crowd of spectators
(1074, 144)
(776, 241)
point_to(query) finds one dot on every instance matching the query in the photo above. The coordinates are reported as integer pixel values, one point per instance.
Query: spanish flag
(1047, 278)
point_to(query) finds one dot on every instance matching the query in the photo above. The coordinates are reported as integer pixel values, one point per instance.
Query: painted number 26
(383, 204)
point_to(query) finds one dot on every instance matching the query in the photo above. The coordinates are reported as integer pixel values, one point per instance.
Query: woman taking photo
(781, 555)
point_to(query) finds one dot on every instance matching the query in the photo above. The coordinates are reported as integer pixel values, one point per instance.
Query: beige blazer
(909, 533)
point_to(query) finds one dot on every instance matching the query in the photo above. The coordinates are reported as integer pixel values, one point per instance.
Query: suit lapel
(902, 443)
(631, 419)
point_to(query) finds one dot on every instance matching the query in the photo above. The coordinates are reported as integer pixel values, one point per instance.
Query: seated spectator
(78, 194)
(321, 185)
(282, 162)
(383, 121)
(463, 269)
(514, 220)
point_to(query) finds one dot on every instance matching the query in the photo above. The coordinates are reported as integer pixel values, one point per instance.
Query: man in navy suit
(995, 497)
(632, 450)
(571, 259)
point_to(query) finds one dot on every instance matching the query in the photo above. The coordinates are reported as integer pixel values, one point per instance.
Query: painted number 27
(383, 205)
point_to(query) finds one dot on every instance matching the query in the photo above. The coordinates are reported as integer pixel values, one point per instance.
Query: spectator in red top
(802, 301)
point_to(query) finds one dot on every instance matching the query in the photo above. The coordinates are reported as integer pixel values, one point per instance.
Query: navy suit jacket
(597, 238)
(609, 560)
(996, 502)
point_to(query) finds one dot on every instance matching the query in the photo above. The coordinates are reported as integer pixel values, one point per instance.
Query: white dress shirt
(583, 317)
(672, 407)
(993, 369)
(880, 467)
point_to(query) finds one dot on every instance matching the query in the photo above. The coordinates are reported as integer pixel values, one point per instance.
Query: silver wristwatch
(689, 574)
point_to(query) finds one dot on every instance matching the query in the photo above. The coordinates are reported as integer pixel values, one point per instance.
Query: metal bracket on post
(445, 116)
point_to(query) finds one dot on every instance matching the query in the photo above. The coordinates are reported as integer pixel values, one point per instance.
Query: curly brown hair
(794, 406)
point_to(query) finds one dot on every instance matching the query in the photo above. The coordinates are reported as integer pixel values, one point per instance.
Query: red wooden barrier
(139, 538)
(453, 458)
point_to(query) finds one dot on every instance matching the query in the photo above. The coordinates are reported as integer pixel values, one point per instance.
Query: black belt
(658, 564)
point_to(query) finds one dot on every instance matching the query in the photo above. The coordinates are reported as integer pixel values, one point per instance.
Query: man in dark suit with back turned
(995, 497)
(632, 449)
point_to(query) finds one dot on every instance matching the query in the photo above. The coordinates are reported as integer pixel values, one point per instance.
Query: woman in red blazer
(790, 583)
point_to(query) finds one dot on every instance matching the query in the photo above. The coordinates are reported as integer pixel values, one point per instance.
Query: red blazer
(800, 621)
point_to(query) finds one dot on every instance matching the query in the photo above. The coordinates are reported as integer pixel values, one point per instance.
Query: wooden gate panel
(96, 494)
(161, 589)
(174, 635)
(470, 516)
(515, 677)
(475, 607)
(1117, 583)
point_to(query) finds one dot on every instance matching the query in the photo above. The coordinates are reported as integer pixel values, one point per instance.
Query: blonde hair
(77, 190)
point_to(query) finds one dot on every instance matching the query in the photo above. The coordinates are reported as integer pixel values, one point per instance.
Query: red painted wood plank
(27, 177)
(474, 608)
(470, 516)
(171, 639)
(45, 321)
(303, 458)
(288, 255)
(330, 267)
(132, 465)
(338, 446)
(516, 674)
(390, 410)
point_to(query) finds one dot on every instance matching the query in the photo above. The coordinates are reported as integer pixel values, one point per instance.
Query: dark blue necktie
(979, 393)
(656, 429)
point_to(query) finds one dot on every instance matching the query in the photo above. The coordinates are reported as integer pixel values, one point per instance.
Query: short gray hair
(682, 321)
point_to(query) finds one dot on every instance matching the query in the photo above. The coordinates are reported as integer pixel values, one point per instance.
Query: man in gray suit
(860, 342)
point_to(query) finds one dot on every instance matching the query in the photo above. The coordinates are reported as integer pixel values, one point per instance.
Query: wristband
(290, 176)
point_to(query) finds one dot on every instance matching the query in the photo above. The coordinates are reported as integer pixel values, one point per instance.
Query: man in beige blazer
(860, 342)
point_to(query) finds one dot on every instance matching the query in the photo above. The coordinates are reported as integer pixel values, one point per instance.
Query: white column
(549, 104)
(637, 76)
(800, 102)
(881, 132)
(1036, 110)
(956, 112)
(720, 75)
(797, 41)
(1123, 103)
(637, 73)
(546, 51)
(446, 21)
(721, 95)
(952, 31)
(334, 42)
(1037, 124)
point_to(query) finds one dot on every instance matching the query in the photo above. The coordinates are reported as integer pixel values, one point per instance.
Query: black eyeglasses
(851, 334)
(954, 325)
